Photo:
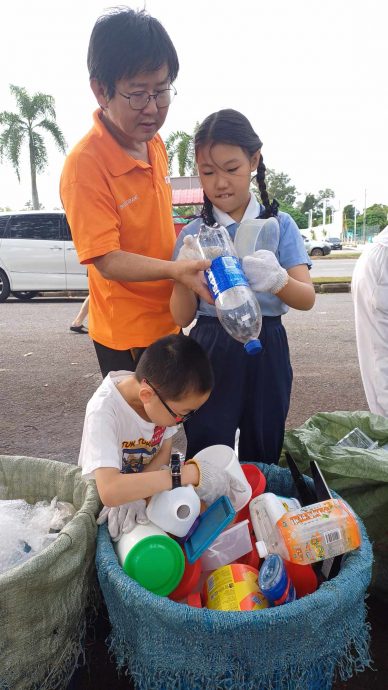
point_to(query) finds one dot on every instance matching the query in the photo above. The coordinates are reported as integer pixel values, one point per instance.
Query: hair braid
(207, 211)
(270, 209)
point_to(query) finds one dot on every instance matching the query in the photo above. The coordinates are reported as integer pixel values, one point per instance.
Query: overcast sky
(310, 75)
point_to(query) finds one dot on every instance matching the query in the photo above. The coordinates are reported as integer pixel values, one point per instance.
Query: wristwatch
(175, 465)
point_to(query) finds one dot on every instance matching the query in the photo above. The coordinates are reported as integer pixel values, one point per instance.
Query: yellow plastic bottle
(313, 533)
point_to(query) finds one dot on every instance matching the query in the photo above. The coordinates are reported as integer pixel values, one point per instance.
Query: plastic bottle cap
(262, 549)
(157, 563)
(253, 347)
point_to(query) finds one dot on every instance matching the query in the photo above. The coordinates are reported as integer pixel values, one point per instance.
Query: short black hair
(176, 365)
(125, 42)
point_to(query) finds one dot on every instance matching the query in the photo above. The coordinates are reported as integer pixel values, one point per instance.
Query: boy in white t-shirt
(128, 430)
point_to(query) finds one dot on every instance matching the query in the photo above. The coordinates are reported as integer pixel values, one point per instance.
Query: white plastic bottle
(237, 307)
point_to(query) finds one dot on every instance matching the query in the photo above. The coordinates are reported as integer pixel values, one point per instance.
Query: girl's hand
(190, 249)
(264, 272)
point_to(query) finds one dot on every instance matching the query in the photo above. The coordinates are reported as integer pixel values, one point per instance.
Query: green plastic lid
(157, 563)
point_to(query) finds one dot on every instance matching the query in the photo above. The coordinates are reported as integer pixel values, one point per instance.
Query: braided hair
(231, 127)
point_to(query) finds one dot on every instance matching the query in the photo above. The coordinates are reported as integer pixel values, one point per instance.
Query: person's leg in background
(267, 396)
(77, 325)
(216, 421)
(117, 360)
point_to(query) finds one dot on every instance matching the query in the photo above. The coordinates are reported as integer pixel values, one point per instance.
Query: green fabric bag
(43, 601)
(360, 476)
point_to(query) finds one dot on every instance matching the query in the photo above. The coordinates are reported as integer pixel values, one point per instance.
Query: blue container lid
(253, 347)
(210, 524)
(273, 577)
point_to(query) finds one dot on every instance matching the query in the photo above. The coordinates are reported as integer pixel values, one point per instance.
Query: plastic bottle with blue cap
(275, 582)
(236, 305)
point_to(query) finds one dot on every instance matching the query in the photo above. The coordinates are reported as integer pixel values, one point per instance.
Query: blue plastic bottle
(274, 581)
(236, 305)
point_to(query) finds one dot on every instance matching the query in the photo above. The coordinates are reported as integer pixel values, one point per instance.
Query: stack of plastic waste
(26, 529)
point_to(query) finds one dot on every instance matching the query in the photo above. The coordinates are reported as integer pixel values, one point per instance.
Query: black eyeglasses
(179, 418)
(140, 99)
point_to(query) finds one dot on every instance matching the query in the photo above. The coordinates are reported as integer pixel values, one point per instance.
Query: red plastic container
(303, 577)
(189, 581)
(258, 483)
(194, 599)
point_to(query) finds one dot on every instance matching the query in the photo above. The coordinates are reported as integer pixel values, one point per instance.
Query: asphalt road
(332, 268)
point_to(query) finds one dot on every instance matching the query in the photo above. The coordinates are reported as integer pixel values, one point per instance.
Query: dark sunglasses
(179, 418)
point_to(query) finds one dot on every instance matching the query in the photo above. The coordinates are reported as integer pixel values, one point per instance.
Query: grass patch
(330, 279)
(343, 255)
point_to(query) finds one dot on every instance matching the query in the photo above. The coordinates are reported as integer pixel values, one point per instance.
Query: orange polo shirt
(113, 201)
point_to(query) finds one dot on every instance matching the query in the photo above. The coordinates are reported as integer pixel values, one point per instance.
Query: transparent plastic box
(228, 547)
(357, 439)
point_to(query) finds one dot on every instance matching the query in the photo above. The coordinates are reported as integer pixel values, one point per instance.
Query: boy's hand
(122, 519)
(264, 272)
(214, 483)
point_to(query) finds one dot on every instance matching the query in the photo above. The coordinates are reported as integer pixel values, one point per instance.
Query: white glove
(264, 272)
(189, 250)
(214, 483)
(122, 519)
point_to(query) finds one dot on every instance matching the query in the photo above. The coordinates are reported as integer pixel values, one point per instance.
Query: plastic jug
(174, 511)
(265, 511)
(152, 558)
(313, 533)
(236, 305)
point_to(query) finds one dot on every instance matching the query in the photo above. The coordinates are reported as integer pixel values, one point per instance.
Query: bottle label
(225, 272)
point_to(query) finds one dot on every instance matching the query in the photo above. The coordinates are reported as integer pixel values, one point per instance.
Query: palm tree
(34, 112)
(181, 145)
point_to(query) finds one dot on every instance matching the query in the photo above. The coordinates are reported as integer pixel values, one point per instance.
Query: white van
(37, 254)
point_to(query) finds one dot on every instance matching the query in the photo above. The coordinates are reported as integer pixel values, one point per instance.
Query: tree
(180, 145)
(34, 112)
(299, 217)
(279, 187)
(375, 215)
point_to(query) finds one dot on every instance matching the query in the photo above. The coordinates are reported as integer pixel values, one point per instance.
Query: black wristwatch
(175, 464)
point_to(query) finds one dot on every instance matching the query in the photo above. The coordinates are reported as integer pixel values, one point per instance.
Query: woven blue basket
(300, 646)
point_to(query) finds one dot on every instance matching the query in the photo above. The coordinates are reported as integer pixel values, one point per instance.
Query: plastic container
(252, 557)
(211, 523)
(313, 533)
(265, 511)
(174, 511)
(357, 439)
(230, 545)
(275, 581)
(149, 556)
(257, 482)
(236, 305)
(234, 587)
(189, 581)
(257, 233)
(303, 577)
(226, 460)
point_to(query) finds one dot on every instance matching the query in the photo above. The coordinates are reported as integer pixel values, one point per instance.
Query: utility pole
(364, 220)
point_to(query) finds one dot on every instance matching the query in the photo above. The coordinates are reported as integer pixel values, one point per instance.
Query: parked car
(316, 247)
(37, 253)
(335, 242)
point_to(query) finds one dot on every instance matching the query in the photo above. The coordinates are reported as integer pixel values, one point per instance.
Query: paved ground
(47, 374)
(334, 268)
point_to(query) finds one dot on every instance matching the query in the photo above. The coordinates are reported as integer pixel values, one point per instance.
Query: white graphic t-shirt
(114, 435)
